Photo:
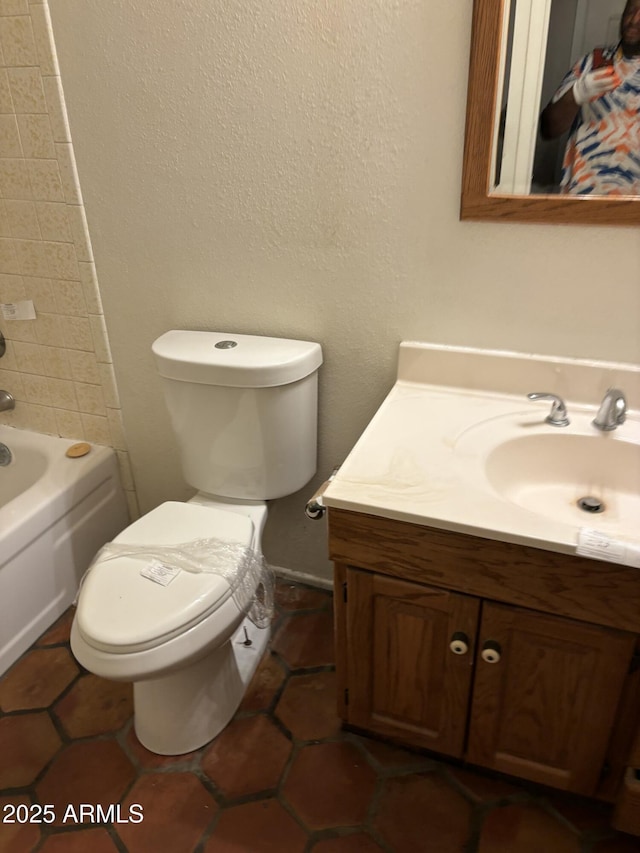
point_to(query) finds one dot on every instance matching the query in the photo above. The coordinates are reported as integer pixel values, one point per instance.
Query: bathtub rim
(64, 484)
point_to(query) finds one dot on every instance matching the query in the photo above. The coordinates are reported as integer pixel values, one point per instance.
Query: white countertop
(421, 458)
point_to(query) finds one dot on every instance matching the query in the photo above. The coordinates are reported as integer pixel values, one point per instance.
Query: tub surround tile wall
(58, 366)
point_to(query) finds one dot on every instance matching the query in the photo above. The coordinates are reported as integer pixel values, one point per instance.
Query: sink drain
(591, 504)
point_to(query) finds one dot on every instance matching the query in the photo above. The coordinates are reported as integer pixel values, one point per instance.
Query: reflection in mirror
(544, 40)
(523, 54)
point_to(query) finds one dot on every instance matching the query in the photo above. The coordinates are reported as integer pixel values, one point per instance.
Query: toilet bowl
(188, 647)
(244, 412)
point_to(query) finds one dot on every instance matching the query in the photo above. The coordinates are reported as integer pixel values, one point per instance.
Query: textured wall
(58, 366)
(293, 168)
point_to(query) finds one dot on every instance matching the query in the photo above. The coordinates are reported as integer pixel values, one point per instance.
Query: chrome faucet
(612, 411)
(558, 414)
(6, 401)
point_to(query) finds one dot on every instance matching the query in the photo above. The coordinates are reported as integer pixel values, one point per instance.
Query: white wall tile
(90, 285)
(54, 221)
(84, 367)
(69, 424)
(96, 429)
(39, 418)
(8, 259)
(14, 179)
(46, 183)
(43, 37)
(61, 258)
(36, 389)
(28, 357)
(27, 92)
(63, 394)
(68, 173)
(70, 298)
(56, 362)
(22, 331)
(14, 7)
(32, 257)
(16, 38)
(10, 145)
(49, 330)
(36, 137)
(12, 288)
(23, 220)
(9, 358)
(5, 231)
(6, 102)
(90, 399)
(40, 290)
(14, 418)
(56, 108)
(109, 387)
(76, 333)
(100, 338)
(80, 231)
(11, 381)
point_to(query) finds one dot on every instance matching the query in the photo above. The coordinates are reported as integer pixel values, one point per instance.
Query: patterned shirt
(602, 156)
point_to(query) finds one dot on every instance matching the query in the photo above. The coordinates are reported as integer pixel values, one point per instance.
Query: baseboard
(303, 577)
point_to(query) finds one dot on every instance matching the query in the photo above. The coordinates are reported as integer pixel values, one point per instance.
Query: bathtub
(55, 513)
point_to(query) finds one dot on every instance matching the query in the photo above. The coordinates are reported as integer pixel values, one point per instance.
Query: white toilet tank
(244, 409)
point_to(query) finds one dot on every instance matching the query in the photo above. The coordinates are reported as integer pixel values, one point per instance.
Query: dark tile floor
(283, 777)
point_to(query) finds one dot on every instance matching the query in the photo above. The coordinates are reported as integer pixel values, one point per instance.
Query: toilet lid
(120, 610)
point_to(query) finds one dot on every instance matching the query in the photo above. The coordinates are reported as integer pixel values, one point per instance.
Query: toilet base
(185, 710)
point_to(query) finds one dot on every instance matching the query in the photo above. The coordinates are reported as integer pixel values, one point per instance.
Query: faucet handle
(6, 401)
(619, 404)
(558, 414)
(612, 411)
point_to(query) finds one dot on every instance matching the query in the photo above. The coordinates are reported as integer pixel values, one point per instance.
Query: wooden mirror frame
(477, 200)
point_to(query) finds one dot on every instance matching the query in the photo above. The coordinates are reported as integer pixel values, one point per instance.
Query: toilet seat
(120, 611)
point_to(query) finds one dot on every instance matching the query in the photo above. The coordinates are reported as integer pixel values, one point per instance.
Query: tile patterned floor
(283, 777)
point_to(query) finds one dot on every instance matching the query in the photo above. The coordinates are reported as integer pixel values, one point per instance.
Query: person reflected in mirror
(598, 102)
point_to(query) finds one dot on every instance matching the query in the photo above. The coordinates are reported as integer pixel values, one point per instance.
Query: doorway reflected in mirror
(512, 74)
(567, 55)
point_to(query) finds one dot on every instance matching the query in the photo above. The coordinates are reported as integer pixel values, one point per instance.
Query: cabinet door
(404, 680)
(544, 710)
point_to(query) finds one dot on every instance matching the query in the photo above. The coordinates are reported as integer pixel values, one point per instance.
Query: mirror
(509, 173)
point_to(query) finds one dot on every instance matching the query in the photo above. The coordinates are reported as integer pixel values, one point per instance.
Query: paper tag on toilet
(159, 573)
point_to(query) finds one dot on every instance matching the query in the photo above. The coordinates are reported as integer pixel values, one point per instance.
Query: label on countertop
(159, 573)
(18, 310)
(599, 546)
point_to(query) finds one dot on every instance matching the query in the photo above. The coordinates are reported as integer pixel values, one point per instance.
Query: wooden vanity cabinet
(479, 650)
(402, 678)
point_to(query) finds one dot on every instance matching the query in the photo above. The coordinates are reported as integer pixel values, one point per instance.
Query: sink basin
(551, 473)
(456, 446)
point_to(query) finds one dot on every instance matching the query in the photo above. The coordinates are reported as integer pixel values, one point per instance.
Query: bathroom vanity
(480, 613)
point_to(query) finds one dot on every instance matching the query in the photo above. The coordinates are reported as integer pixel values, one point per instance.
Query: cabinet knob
(491, 651)
(459, 643)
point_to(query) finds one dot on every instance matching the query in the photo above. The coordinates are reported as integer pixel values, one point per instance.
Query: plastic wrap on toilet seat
(245, 570)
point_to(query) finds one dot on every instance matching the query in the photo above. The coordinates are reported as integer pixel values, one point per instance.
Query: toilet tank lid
(240, 361)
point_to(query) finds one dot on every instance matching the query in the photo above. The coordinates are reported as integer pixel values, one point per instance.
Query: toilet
(244, 412)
